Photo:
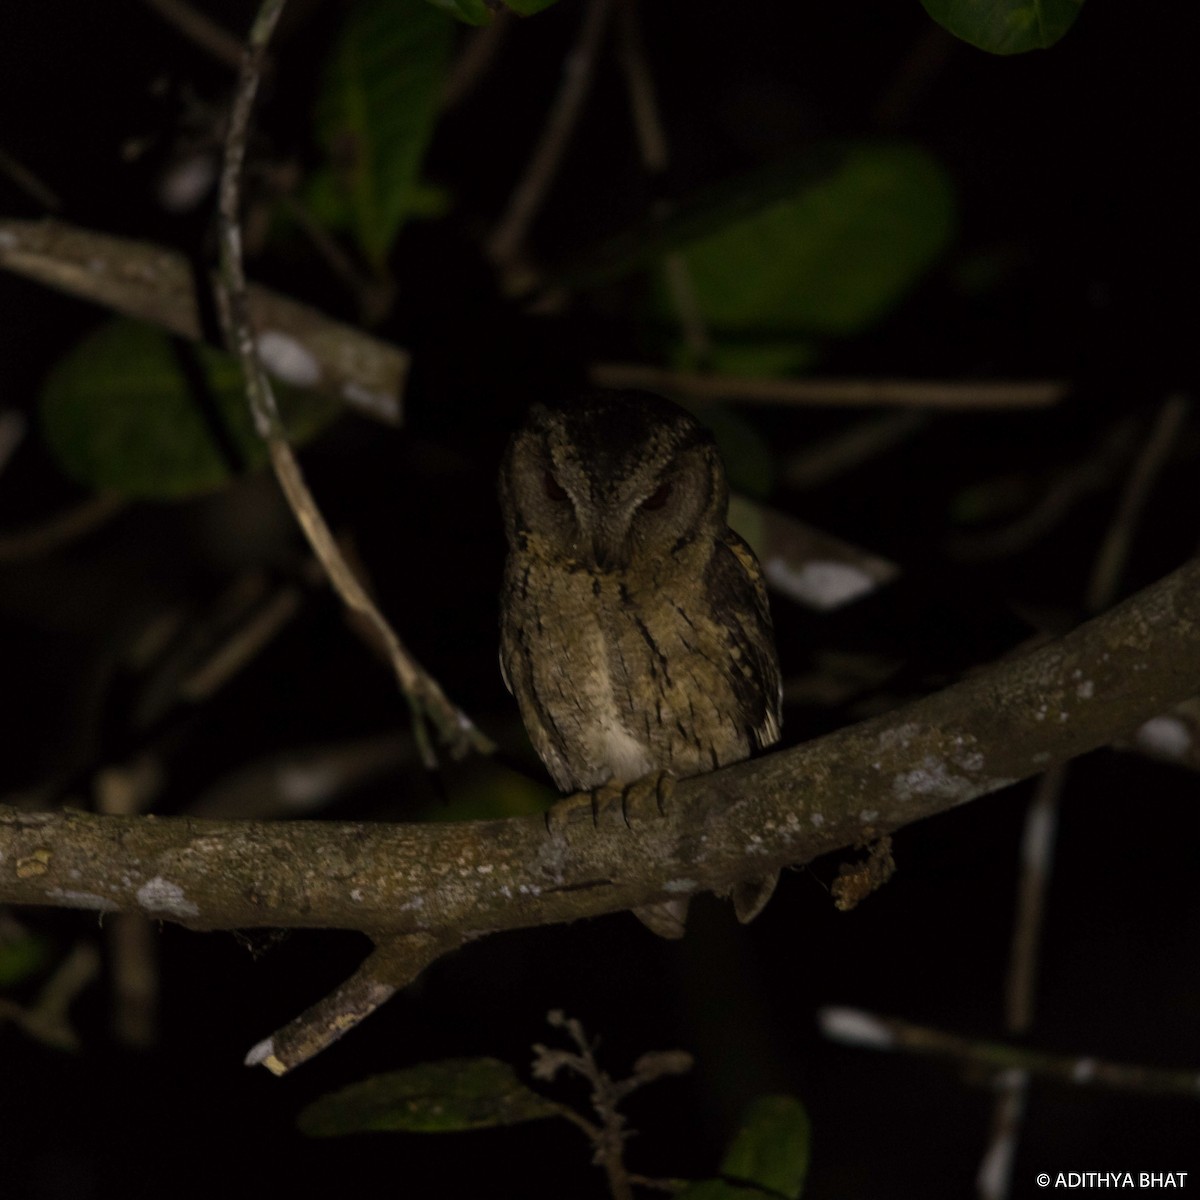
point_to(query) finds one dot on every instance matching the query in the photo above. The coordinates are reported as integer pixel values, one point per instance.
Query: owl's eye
(554, 489)
(659, 497)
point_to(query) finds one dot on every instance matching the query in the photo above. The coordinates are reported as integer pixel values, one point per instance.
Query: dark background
(1073, 171)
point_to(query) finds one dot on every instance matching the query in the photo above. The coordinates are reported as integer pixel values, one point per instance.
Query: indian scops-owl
(635, 630)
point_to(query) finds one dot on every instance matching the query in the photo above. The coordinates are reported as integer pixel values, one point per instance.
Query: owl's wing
(519, 679)
(739, 598)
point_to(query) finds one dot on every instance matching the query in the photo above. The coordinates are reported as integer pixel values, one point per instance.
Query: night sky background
(1074, 256)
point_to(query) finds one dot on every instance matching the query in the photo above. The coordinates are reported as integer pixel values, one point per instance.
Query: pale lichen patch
(162, 898)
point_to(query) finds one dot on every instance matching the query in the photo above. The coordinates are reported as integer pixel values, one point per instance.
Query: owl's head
(611, 479)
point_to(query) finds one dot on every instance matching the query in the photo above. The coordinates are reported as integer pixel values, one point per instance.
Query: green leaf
(438, 1097)
(832, 258)
(1005, 26)
(376, 112)
(120, 414)
(21, 958)
(768, 1156)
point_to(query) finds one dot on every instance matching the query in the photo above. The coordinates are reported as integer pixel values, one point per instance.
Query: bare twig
(858, 1028)
(830, 457)
(1037, 863)
(1110, 563)
(242, 645)
(609, 1136)
(48, 1018)
(301, 782)
(476, 56)
(506, 241)
(29, 183)
(423, 693)
(1068, 486)
(131, 938)
(20, 545)
(13, 427)
(393, 964)
(199, 28)
(966, 395)
(652, 145)
(296, 343)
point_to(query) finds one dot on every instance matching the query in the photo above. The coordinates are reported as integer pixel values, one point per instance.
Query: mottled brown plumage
(635, 630)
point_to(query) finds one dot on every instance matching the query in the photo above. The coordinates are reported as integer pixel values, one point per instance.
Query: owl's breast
(617, 678)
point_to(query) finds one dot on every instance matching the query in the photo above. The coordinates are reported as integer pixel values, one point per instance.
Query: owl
(635, 632)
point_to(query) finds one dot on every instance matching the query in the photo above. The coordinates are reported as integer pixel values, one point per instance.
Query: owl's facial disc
(614, 479)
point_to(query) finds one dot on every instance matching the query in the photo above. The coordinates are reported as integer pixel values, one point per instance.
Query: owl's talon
(646, 799)
(570, 810)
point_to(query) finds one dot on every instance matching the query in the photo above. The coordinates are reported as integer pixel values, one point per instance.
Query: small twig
(423, 693)
(856, 1027)
(13, 427)
(966, 395)
(652, 146)
(131, 938)
(993, 1180)
(1110, 563)
(928, 54)
(20, 545)
(505, 243)
(301, 782)
(197, 27)
(609, 1136)
(47, 1019)
(242, 645)
(477, 55)
(1067, 488)
(29, 183)
(372, 296)
(394, 963)
(1037, 864)
(849, 448)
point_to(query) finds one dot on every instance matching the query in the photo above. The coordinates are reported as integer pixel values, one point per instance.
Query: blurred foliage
(1005, 26)
(767, 1157)
(827, 261)
(131, 411)
(375, 115)
(21, 958)
(450, 1096)
(480, 12)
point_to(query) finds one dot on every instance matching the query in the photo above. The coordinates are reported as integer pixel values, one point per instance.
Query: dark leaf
(375, 115)
(439, 1097)
(121, 414)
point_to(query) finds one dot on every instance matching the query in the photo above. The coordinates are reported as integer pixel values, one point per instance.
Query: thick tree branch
(296, 343)
(1003, 724)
